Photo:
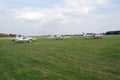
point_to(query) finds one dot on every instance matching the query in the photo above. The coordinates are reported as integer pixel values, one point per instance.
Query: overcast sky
(41, 17)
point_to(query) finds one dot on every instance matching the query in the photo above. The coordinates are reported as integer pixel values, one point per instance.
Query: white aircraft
(24, 38)
(94, 35)
(88, 34)
(98, 36)
(57, 37)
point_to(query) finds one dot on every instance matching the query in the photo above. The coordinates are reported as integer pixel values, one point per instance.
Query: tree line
(113, 32)
(7, 35)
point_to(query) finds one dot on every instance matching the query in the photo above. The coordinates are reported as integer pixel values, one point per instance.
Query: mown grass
(75, 58)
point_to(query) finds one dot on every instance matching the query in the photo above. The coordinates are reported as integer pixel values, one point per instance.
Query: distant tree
(112, 32)
(7, 35)
(12, 35)
(3, 35)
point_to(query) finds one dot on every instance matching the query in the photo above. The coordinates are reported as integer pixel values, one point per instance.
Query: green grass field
(75, 58)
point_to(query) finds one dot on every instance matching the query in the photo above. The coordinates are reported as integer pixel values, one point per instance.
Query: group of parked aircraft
(57, 37)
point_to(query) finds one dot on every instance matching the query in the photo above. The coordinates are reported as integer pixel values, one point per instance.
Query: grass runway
(75, 58)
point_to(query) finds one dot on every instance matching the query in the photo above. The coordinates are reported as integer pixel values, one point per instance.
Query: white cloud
(29, 15)
(2, 6)
(102, 1)
(69, 7)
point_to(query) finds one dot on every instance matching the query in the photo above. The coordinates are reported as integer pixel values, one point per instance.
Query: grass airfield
(75, 58)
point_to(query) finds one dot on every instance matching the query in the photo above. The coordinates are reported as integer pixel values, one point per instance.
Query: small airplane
(24, 38)
(98, 36)
(57, 37)
(88, 34)
(94, 35)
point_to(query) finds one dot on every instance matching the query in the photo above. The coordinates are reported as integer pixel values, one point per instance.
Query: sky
(46, 17)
